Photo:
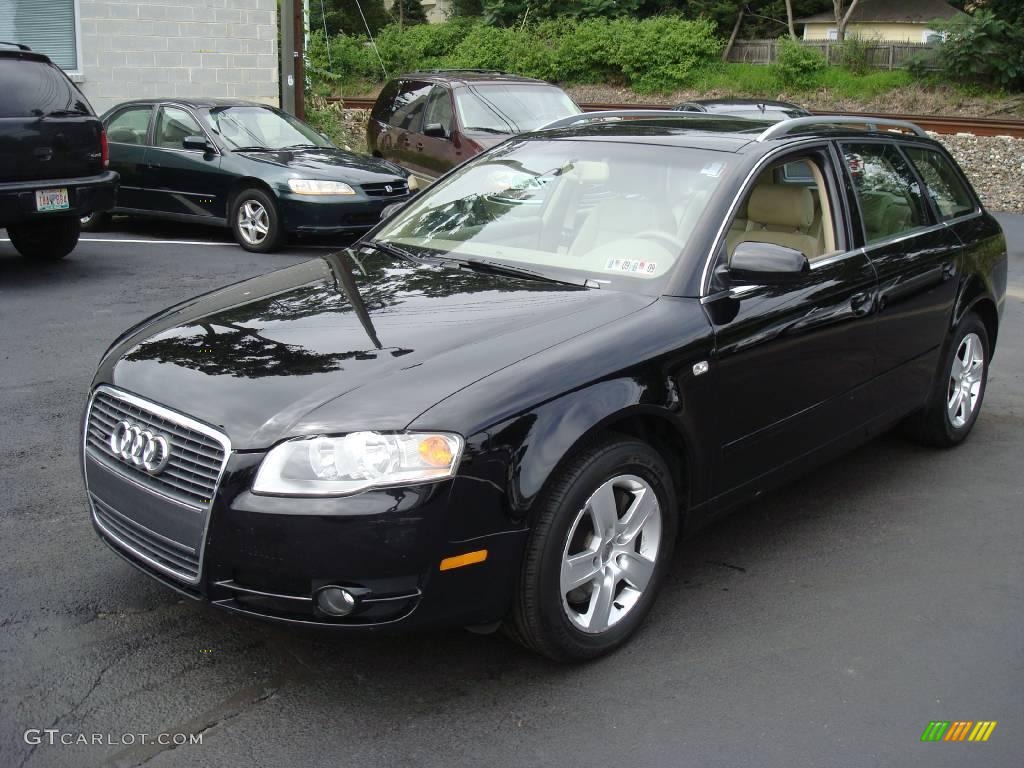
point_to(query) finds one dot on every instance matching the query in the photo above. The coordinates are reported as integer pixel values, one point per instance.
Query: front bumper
(332, 214)
(266, 556)
(85, 195)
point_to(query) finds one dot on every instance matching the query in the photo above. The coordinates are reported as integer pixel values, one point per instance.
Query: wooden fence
(879, 55)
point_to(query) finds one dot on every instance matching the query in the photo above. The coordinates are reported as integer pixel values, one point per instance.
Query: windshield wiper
(488, 130)
(254, 148)
(392, 250)
(501, 268)
(303, 146)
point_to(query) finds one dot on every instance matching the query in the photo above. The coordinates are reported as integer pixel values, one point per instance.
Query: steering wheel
(664, 238)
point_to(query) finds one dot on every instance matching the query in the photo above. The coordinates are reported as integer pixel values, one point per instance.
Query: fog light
(335, 601)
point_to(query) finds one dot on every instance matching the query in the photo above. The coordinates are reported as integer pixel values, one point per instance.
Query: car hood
(350, 341)
(330, 163)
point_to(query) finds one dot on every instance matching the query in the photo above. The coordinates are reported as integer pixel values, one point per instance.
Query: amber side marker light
(460, 560)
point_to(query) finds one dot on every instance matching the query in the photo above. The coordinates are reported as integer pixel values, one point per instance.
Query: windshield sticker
(714, 170)
(631, 265)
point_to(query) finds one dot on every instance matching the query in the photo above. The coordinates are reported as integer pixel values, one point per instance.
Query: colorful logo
(958, 730)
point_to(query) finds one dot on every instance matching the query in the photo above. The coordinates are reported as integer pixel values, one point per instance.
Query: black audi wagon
(504, 403)
(247, 166)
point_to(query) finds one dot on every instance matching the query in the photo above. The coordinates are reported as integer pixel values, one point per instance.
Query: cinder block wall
(161, 48)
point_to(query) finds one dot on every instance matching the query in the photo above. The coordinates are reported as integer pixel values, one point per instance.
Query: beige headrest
(781, 205)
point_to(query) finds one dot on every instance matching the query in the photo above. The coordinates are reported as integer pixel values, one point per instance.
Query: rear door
(128, 134)
(184, 182)
(47, 128)
(915, 256)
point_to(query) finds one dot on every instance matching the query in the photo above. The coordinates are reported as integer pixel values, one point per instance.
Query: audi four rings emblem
(140, 447)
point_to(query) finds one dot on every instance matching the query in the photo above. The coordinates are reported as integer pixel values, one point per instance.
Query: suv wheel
(46, 239)
(598, 552)
(956, 400)
(256, 221)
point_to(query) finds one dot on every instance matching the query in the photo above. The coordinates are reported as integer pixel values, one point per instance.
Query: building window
(832, 34)
(46, 26)
(930, 36)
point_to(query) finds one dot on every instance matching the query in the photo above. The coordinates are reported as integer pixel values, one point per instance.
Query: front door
(435, 151)
(184, 182)
(793, 357)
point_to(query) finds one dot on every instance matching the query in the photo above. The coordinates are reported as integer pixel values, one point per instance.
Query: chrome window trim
(720, 236)
(868, 247)
(178, 418)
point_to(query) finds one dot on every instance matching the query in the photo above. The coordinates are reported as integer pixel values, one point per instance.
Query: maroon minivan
(431, 121)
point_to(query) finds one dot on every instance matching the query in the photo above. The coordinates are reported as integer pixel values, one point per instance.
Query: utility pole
(287, 23)
(300, 70)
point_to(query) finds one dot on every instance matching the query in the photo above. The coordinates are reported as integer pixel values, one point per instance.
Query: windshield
(511, 108)
(617, 214)
(261, 127)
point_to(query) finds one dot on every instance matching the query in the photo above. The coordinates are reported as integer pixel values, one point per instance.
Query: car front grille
(398, 189)
(197, 453)
(163, 552)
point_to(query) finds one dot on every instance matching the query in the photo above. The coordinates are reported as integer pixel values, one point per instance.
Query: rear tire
(256, 222)
(600, 546)
(959, 390)
(46, 239)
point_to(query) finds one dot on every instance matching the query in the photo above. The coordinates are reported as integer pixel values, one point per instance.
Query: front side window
(439, 110)
(618, 214)
(944, 185)
(511, 108)
(890, 199)
(261, 128)
(129, 126)
(173, 126)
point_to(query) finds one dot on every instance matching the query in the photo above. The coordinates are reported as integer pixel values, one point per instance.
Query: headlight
(333, 466)
(319, 187)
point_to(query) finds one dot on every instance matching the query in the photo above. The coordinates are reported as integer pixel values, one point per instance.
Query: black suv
(53, 156)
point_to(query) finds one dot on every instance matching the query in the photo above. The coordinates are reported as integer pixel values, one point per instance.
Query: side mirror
(766, 263)
(436, 130)
(390, 210)
(196, 142)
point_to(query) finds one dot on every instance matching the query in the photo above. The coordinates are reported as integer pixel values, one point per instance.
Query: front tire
(599, 549)
(256, 221)
(956, 399)
(46, 239)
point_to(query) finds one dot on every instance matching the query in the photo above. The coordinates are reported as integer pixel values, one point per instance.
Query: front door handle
(860, 303)
(947, 270)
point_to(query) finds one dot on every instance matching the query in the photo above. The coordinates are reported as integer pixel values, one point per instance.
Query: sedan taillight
(104, 150)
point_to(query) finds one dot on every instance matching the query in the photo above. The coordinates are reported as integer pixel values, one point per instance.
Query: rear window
(36, 88)
(945, 187)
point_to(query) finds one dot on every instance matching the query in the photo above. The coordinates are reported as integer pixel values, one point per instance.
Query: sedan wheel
(253, 222)
(256, 222)
(599, 546)
(964, 388)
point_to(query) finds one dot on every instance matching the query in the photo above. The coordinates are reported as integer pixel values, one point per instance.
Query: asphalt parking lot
(824, 625)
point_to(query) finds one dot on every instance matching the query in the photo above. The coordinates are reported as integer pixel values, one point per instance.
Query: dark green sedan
(242, 165)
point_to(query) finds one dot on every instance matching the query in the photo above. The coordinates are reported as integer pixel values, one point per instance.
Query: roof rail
(786, 127)
(619, 114)
(16, 45)
(459, 69)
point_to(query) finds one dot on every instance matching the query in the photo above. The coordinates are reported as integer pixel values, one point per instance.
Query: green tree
(342, 16)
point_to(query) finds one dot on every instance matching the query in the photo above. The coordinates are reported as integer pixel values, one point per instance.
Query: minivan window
(36, 89)
(386, 104)
(439, 110)
(945, 187)
(890, 198)
(409, 105)
(512, 107)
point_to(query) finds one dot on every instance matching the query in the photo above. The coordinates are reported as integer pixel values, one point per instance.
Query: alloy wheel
(610, 553)
(964, 387)
(253, 222)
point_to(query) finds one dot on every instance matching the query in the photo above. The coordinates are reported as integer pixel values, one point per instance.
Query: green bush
(854, 53)
(662, 53)
(798, 66)
(983, 49)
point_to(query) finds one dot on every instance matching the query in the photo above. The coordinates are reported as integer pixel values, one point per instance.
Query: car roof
(730, 103)
(713, 132)
(18, 51)
(195, 103)
(466, 76)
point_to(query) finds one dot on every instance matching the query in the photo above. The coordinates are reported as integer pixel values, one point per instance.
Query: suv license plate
(52, 199)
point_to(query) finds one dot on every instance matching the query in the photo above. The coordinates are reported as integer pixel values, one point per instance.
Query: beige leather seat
(615, 219)
(782, 215)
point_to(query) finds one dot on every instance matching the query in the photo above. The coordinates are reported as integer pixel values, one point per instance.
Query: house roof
(891, 11)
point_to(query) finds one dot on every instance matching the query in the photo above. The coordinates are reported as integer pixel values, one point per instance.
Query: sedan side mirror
(766, 263)
(436, 130)
(196, 142)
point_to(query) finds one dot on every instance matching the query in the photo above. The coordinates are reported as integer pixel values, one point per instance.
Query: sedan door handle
(860, 303)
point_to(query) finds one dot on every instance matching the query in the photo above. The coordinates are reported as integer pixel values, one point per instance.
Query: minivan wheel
(956, 399)
(46, 239)
(256, 222)
(598, 551)
(95, 221)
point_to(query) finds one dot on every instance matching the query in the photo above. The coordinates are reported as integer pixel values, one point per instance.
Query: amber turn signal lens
(435, 452)
(467, 559)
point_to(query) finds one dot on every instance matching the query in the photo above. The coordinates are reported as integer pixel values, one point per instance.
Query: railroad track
(979, 126)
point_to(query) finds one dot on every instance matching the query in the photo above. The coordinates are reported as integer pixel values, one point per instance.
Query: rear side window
(129, 126)
(36, 88)
(385, 105)
(890, 198)
(945, 187)
(409, 103)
